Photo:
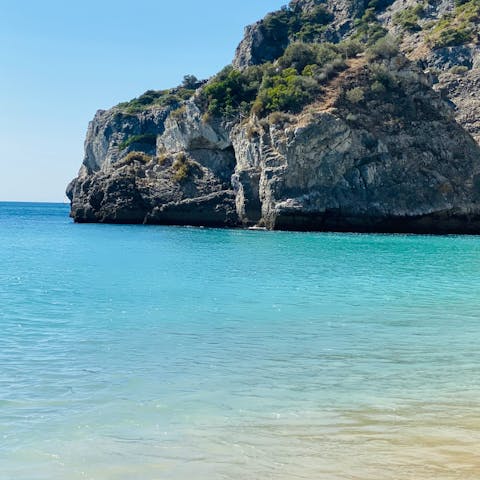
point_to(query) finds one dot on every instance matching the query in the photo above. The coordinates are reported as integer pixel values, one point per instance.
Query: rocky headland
(341, 115)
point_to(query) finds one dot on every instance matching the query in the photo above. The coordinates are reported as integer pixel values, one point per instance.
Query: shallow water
(130, 352)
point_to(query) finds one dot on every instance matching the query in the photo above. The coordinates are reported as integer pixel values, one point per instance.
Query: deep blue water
(132, 352)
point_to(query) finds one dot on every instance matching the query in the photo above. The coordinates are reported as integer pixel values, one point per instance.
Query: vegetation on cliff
(156, 98)
(409, 17)
(148, 139)
(232, 92)
(456, 28)
(304, 62)
(162, 98)
(321, 123)
(134, 157)
(296, 79)
(181, 167)
(292, 23)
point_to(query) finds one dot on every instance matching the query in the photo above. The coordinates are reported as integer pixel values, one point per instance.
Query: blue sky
(61, 61)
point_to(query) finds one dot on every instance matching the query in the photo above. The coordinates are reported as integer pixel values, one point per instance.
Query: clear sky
(61, 61)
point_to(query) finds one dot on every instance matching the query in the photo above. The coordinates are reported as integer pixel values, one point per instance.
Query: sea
(174, 353)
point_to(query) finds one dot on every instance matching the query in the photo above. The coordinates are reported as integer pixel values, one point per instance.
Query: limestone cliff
(329, 127)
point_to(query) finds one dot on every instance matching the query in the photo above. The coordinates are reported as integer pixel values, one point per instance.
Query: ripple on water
(173, 353)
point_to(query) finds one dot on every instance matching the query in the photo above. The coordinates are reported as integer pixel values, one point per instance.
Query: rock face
(156, 192)
(462, 89)
(395, 163)
(259, 45)
(358, 158)
(109, 129)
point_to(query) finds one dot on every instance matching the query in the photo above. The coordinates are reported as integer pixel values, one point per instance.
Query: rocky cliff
(335, 115)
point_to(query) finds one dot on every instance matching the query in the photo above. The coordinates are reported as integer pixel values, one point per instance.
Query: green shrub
(350, 48)
(285, 92)
(144, 139)
(277, 29)
(319, 15)
(232, 92)
(298, 55)
(289, 23)
(355, 95)
(381, 74)
(156, 98)
(177, 114)
(181, 168)
(134, 157)
(408, 18)
(190, 82)
(310, 33)
(444, 35)
(468, 11)
(279, 118)
(457, 27)
(325, 72)
(294, 23)
(286, 86)
(368, 29)
(162, 158)
(459, 69)
(384, 48)
(279, 25)
(378, 87)
(313, 24)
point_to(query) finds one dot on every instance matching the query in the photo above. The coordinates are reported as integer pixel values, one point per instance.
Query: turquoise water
(130, 352)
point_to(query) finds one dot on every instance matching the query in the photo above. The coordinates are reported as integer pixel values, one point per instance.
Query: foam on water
(175, 353)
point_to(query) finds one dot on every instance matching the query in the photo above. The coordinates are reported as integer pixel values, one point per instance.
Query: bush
(355, 95)
(279, 118)
(378, 87)
(190, 82)
(298, 55)
(286, 86)
(459, 69)
(285, 92)
(232, 92)
(350, 48)
(456, 28)
(156, 98)
(181, 167)
(386, 47)
(368, 29)
(326, 53)
(293, 23)
(381, 74)
(279, 25)
(408, 18)
(450, 36)
(162, 158)
(319, 15)
(149, 139)
(178, 113)
(313, 24)
(310, 33)
(134, 157)
(289, 23)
